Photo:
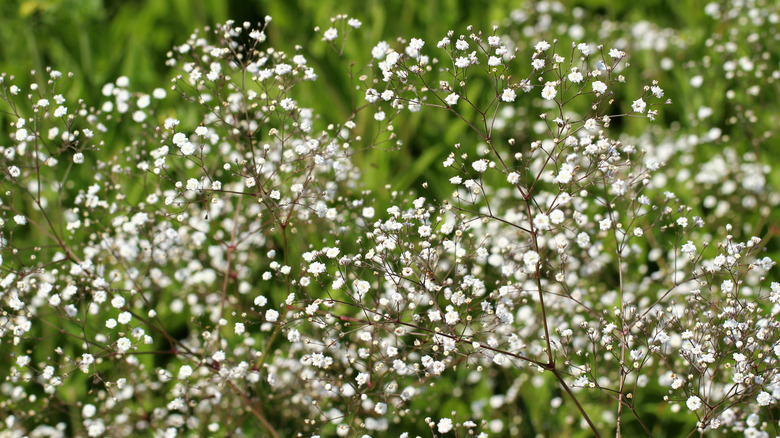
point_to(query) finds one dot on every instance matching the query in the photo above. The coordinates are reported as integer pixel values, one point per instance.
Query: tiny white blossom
(452, 99)
(693, 403)
(444, 425)
(184, 372)
(123, 344)
(480, 165)
(271, 315)
(508, 95)
(330, 34)
(549, 92)
(575, 76)
(541, 46)
(639, 106)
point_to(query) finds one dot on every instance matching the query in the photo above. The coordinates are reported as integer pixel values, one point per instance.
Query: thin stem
(255, 410)
(568, 390)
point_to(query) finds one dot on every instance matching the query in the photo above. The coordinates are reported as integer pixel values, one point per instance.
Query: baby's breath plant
(229, 273)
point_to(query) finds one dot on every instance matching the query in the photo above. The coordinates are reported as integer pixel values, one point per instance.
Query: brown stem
(256, 410)
(576, 402)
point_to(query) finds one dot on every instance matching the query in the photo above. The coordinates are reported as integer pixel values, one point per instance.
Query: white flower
(480, 165)
(542, 221)
(21, 134)
(462, 62)
(508, 95)
(599, 87)
(580, 382)
(531, 258)
(179, 138)
(124, 317)
(316, 268)
(541, 46)
(549, 92)
(380, 50)
(193, 184)
(123, 344)
(619, 187)
(219, 356)
(187, 148)
(362, 287)
(372, 95)
(184, 372)
(693, 403)
(451, 317)
(452, 99)
(557, 216)
(565, 175)
(78, 158)
(445, 425)
(271, 315)
(575, 76)
(764, 399)
(330, 34)
(639, 106)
